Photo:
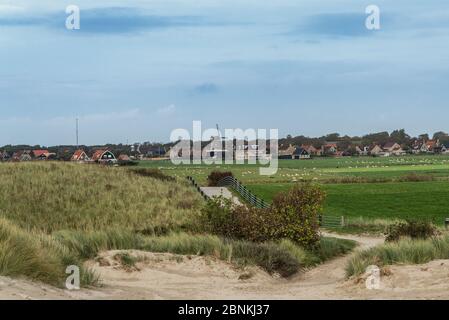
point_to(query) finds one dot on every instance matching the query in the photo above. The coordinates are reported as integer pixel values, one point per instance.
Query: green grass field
(365, 187)
(427, 200)
(320, 169)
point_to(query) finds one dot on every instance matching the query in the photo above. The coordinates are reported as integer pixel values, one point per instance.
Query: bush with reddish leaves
(215, 176)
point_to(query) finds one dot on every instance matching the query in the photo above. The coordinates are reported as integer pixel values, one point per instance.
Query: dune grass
(284, 258)
(56, 196)
(402, 252)
(53, 215)
(37, 256)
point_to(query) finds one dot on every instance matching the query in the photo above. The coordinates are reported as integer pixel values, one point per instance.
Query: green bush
(297, 211)
(414, 229)
(293, 215)
(215, 176)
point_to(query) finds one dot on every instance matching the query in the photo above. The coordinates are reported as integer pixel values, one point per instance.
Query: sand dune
(168, 276)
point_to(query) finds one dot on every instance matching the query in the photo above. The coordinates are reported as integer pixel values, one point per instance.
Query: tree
(376, 138)
(440, 135)
(400, 137)
(424, 137)
(333, 137)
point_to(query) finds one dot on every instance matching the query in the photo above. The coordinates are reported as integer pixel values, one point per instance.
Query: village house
(39, 154)
(376, 151)
(103, 156)
(329, 149)
(79, 155)
(393, 148)
(23, 155)
(5, 156)
(300, 154)
(433, 146)
(312, 150)
(294, 153)
(430, 146)
(43, 155)
(444, 148)
(286, 153)
(362, 151)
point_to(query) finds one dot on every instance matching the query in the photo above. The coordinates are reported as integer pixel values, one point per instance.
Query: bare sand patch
(169, 276)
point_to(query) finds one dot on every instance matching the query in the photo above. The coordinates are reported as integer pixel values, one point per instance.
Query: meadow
(414, 186)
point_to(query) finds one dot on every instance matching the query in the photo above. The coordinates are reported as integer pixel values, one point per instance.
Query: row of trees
(344, 142)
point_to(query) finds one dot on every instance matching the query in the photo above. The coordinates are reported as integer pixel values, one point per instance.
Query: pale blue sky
(138, 69)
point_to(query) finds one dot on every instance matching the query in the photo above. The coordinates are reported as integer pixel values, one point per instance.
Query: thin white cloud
(168, 110)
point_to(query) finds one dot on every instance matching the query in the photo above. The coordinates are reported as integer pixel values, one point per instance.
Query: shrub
(215, 176)
(217, 216)
(297, 211)
(413, 177)
(153, 173)
(293, 215)
(410, 228)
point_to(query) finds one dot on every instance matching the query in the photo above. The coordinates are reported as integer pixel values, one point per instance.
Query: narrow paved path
(220, 191)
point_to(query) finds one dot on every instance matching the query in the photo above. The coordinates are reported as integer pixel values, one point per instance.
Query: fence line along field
(382, 187)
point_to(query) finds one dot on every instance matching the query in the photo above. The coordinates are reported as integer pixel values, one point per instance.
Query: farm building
(103, 156)
(79, 155)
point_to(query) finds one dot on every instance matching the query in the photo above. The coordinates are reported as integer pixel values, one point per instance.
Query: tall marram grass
(402, 252)
(56, 196)
(36, 256)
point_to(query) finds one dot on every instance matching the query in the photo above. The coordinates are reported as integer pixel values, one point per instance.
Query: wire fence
(252, 199)
(332, 221)
(198, 188)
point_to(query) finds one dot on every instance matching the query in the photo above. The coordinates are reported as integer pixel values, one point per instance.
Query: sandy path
(167, 276)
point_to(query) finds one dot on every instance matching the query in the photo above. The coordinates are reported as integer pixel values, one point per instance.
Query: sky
(136, 70)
